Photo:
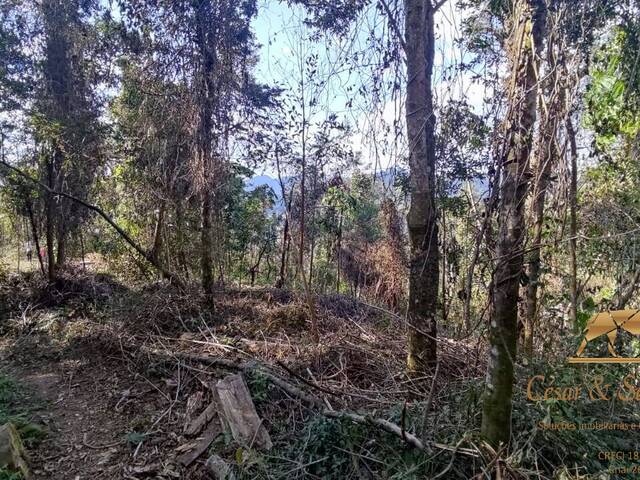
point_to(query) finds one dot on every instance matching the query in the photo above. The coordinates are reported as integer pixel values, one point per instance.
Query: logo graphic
(608, 323)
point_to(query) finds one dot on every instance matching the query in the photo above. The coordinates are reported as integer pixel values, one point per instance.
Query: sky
(278, 29)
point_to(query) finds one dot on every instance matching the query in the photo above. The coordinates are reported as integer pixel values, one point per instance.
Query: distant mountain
(388, 176)
(260, 180)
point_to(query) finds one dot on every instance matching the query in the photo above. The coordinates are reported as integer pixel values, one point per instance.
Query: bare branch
(394, 24)
(438, 5)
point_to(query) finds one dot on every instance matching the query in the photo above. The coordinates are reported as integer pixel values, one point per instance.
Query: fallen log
(213, 430)
(238, 413)
(203, 419)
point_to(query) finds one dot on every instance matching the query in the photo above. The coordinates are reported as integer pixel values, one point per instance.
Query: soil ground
(86, 351)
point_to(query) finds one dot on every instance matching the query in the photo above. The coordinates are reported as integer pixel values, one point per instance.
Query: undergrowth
(331, 448)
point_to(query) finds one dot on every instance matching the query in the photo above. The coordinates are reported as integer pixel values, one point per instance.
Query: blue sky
(278, 29)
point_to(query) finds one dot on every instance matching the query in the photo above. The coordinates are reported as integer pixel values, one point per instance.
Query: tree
(525, 43)
(66, 122)
(215, 42)
(422, 216)
(547, 154)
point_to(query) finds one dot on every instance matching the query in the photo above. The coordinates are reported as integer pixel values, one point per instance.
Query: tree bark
(551, 112)
(285, 231)
(283, 255)
(62, 243)
(422, 216)
(206, 260)
(206, 46)
(180, 238)
(525, 40)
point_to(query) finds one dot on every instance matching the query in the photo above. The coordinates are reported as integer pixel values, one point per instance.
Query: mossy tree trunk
(526, 36)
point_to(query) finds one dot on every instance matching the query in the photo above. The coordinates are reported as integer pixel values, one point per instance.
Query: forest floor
(112, 370)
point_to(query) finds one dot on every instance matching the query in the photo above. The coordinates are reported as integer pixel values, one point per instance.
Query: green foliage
(5, 474)
(610, 99)
(259, 386)
(357, 206)
(251, 222)
(135, 438)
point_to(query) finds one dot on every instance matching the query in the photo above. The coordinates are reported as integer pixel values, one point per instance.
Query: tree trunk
(206, 260)
(526, 39)
(303, 178)
(286, 236)
(206, 47)
(573, 225)
(156, 250)
(62, 243)
(34, 233)
(445, 310)
(551, 111)
(422, 216)
(338, 256)
(51, 268)
(180, 239)
(283, 256)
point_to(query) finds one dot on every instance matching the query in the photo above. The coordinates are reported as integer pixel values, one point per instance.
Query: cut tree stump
(11, 450)
(238, 413)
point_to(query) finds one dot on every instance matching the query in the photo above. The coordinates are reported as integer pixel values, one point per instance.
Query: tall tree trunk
(303, 178)
(526, 38)
(573, 222)
(337, 252)
(445, 310)
(206, 260)
(283, 256)
(49, 199)
(180, 239)
(551, 111)
(207, 53)
(422, 216)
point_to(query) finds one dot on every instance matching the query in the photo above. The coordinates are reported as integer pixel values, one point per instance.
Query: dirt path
(92, 410)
